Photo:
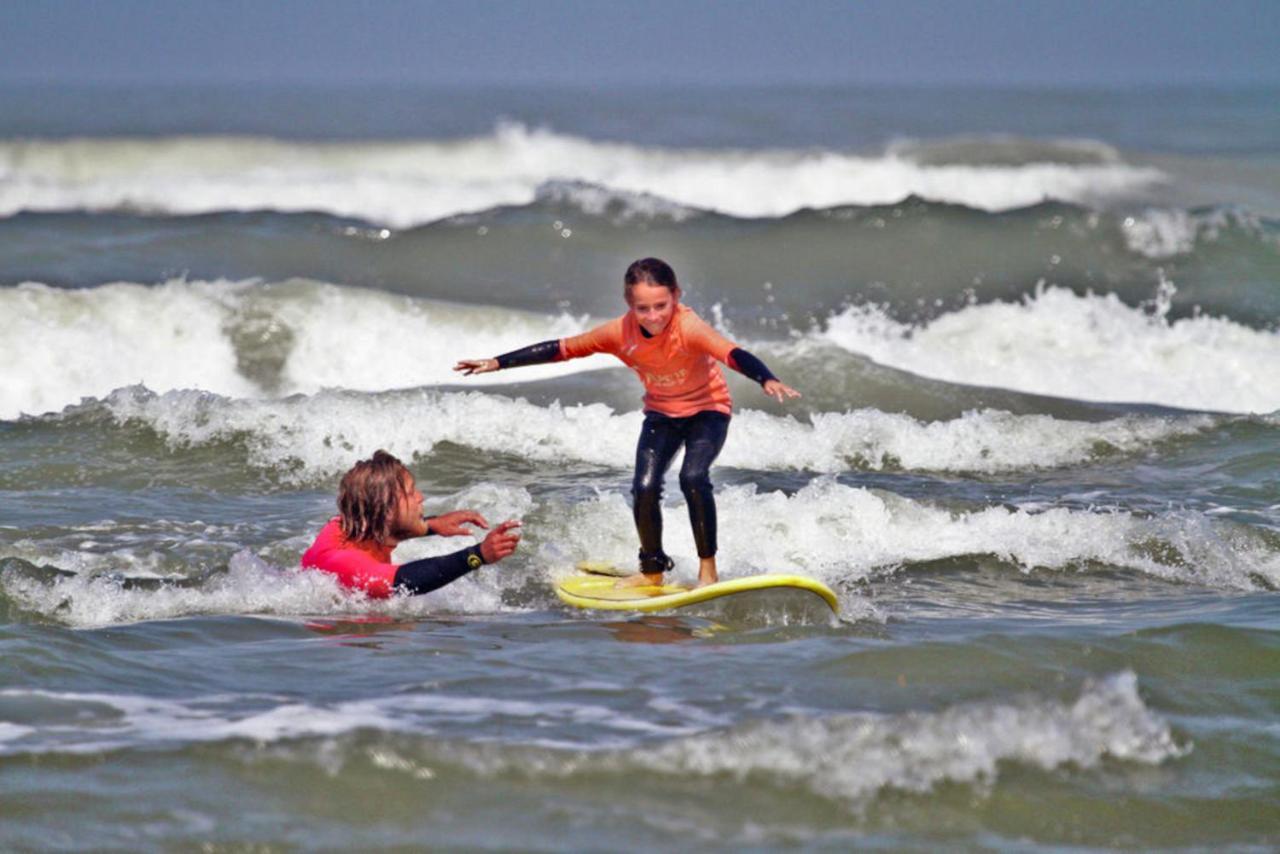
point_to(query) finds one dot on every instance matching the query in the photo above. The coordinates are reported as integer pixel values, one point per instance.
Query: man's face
(408, 508)
(653, 306)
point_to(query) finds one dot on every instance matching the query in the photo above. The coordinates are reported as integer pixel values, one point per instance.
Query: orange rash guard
(677, 366)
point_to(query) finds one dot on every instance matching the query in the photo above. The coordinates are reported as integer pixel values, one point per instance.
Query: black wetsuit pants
(661, 436)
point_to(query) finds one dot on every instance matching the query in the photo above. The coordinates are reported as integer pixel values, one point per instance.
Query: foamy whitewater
(407, 184)
(241, 340)
(1035, 457)
(318, 433)
(250, 340)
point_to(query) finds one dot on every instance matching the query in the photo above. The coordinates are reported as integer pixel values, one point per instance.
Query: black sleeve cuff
(534, 354)
(432, 573)
(748, 365)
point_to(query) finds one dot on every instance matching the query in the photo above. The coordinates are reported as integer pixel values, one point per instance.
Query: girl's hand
(779, 390)
(476, 366)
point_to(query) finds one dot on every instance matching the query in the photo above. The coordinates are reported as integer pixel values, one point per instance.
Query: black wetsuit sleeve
(534, 354)
(432, 573)
(748, 365)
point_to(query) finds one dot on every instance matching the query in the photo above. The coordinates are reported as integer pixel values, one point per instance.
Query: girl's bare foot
(707, 571)
(640, 579)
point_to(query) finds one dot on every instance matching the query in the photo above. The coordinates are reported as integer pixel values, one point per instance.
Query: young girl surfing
(686, 402)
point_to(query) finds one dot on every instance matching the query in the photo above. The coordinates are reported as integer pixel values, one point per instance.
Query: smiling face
(653, 305)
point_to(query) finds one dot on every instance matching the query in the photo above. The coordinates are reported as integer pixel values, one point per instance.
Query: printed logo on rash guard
(666, 380)
(679, 372)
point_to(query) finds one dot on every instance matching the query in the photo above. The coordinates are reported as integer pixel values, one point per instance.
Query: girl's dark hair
(651, 271)
(367, 498)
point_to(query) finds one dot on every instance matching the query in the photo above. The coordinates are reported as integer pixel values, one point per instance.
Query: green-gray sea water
(1037, 457)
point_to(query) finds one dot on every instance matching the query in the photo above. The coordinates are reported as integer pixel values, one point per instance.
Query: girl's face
(653, 305)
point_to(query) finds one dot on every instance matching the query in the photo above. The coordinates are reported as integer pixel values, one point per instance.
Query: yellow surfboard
(600, 591)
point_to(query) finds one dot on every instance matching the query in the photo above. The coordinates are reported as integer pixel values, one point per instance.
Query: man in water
(379, 506)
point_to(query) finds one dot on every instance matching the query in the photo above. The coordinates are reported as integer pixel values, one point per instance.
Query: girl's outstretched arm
(750, 365)
(534, 354)
(702, 336)
(779, 390)
(605, 338)
(476, 366)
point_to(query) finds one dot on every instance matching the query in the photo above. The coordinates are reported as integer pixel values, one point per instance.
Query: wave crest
(410, 183)
(1089, 347)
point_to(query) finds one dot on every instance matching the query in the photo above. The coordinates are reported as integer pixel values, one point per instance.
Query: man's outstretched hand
(501, 541)
(454, 524)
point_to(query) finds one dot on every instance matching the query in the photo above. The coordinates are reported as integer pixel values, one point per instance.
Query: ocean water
(1037, 456)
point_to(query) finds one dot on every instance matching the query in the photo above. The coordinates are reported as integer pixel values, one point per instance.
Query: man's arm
(454, 524)
(432, 573)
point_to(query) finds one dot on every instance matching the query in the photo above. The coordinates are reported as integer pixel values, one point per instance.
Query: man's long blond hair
(368, 496)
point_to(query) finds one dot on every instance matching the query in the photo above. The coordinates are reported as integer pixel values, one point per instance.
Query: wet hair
(651, 271)
(367, 498)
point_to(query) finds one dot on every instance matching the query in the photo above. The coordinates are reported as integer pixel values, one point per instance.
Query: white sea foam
(850, 758)
(94, 594)
(85, 600)
(12, 732)
(243, 339)
(1161, 233)
(250, 586)
(251, 340)
(986, 441)
(342, 336)
(111, 721)
(109, 548)
(842, 534)
(1087, 347)
(1165, 232)
(408, 183)
(60, 345)
(847, 758)
(837, 533)
(314, 436)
